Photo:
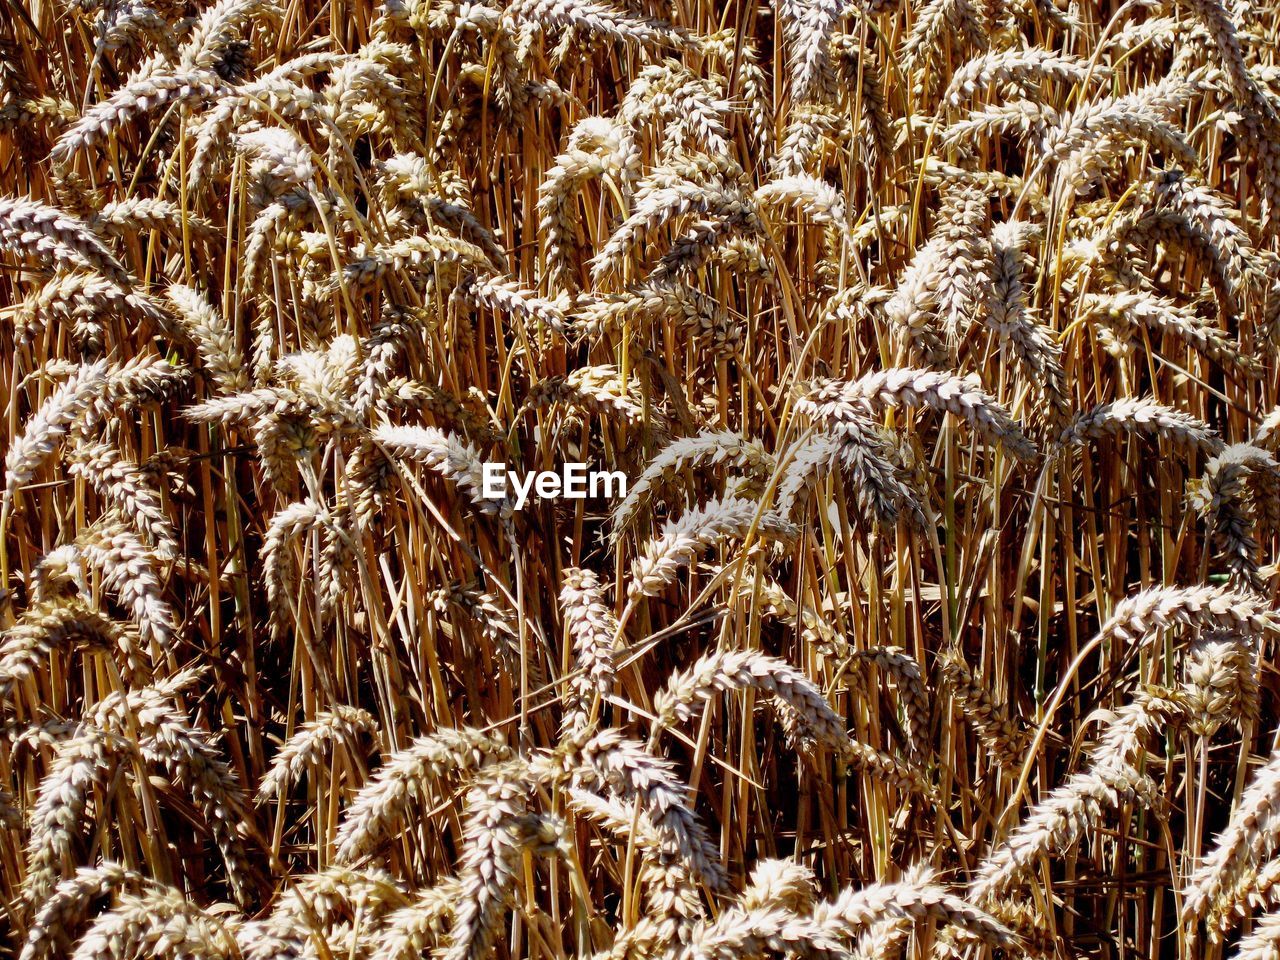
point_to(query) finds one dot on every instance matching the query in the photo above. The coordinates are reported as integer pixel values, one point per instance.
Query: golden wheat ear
(380, 806)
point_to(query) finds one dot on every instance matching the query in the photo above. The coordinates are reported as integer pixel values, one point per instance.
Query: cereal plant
(917, 359)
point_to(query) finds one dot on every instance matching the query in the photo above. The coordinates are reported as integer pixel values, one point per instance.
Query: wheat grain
(695, 531)
(383, 800)
(844, 401)
(329, 731)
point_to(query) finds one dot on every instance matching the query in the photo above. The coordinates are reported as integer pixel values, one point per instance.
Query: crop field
(639, 479)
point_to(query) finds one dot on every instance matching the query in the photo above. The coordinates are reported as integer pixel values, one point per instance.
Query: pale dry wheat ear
(1219, 683)
(143, 379)
(808, 713)
(403, 782)
(741, 61)
(702, 241)
(325, 379)
(497, 828)
(1216, 227)
(1139, 117)
(994, 182)
(1009, 315)
(858, 303)
(768, 597)
(716, 197)
(692, 110)
(48, 112)
(82, 768)
(129, 570)
(1237, 492)
(336, 562)
(364, 95)
(280, 161)
(912, 308)
(1125, 248)
(1138, 619)
(261, 410)
(842, 401)
(126, 487)
(646, 304)
(424, 254)
(316, 903)
(58, 575)
(1110, 781)
(861, 72)
(82, 301)
(140, 96)
(46, 428)
(31, 228)
(331, 731)
(166, 737)
(1224, 885)
(1130, 311)
(409, 931)
(452, 458)
(862, 449)
(288, 524)
(1028, 121)
(807, 26)
(964, 279)
(597, 19)
(708, 448)
(1028, 68)
(1140, 416)
(124, 217)
(466, 411)
(1260, 116)
(965, 19)
(595, 150)
(907, 676)
(883, 938)
(811, 129)
(510, 297)
(410, 178)
(389, 339)
(756, 933)
(592, 390)
(1268, 430)
(68, 906)
(1260, 482)
(672, 899)
(55, 625)
(481, 611)
(213, 337)
(1263, 943)
(916, 899)
(264, 940)
(593, 629)
(681, 540)
(998, 732)
(160, 923)
(219, 26)
(804, 713)
(276, 229)
(781, 884)
(623, 768)
(819, 200)
(1055, 824)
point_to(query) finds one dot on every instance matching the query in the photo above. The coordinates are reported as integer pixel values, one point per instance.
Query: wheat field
(935, 340)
